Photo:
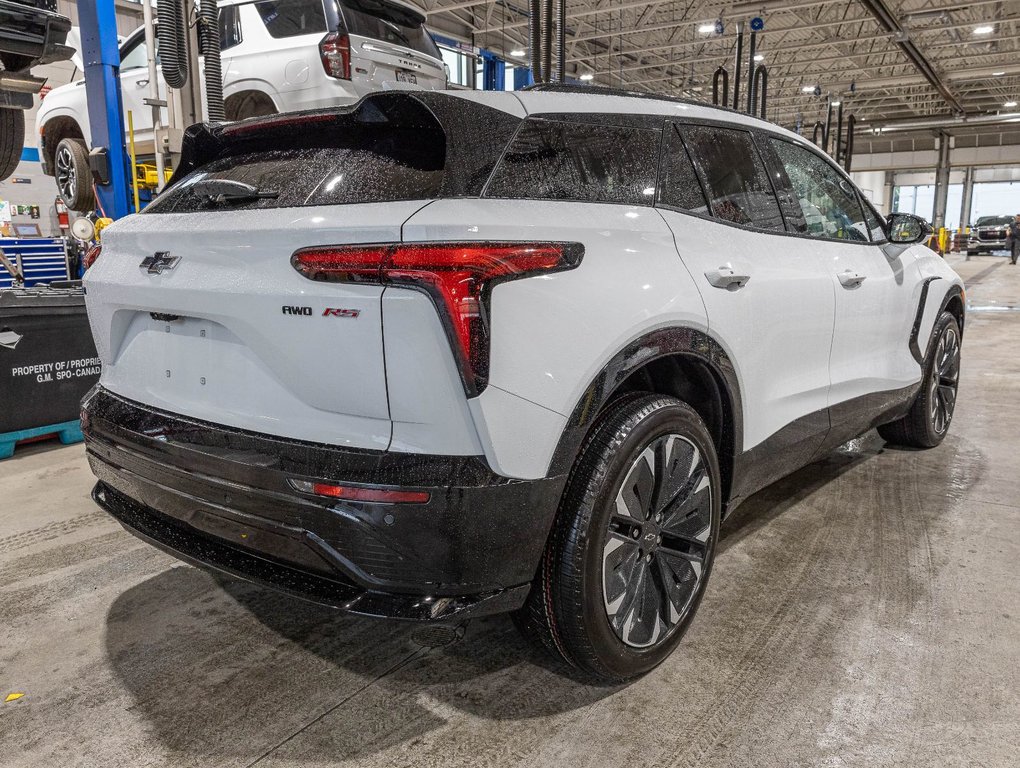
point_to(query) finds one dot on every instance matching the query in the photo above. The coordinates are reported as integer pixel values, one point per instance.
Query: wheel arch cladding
(682, 362)
(951, 301)
(954, 305)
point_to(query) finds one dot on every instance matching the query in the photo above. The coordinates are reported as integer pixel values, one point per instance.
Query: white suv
(447, 354)
(278, 56)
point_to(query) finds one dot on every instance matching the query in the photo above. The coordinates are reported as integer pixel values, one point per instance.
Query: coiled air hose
(209, 45)
(173, 42)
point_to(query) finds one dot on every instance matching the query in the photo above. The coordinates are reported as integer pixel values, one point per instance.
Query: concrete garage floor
(863, 612)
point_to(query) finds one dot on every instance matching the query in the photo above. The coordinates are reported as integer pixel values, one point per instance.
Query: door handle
(725, 277)
(851, 279)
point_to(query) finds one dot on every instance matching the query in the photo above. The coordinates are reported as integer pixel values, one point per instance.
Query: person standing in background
(1013, 239)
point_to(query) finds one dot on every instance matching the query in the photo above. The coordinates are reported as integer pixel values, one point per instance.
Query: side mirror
(906, 228)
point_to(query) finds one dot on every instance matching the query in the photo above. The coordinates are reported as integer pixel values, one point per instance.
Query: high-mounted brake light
(335, 53)
(458, 276)
(359, 493)
(90, 256)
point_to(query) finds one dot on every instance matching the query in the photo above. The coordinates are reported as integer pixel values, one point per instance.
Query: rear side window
(680, 186)
(389, 24)
(552, 160)
(734, 175)
(290, 18)
(230, 26)
(828, 201)
(390, 146)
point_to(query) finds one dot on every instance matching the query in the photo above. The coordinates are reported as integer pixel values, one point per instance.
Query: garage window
(734, 176)
(553, 160)
(290, 18)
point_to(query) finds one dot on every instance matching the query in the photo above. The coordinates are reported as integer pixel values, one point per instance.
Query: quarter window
(828, 201)
(230, 26)
(735, 178)
(875, 225)
(551, 160)
(290, 18)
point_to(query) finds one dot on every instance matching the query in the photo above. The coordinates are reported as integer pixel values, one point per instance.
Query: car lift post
(101, 55)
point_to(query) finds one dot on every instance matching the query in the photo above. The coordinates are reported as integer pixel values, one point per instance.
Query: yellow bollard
(134, 172)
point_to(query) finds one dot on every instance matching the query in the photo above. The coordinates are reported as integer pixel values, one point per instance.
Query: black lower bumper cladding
(221, 498)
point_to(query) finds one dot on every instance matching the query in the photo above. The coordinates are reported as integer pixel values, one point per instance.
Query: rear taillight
(458, 276)
(91, 255)
(361, 493)
(335, 52)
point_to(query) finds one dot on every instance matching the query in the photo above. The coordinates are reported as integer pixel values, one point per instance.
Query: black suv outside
(988, 235)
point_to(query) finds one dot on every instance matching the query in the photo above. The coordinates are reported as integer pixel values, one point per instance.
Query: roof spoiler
(204, 142)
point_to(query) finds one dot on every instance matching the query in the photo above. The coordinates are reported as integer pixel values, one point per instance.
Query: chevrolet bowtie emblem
(159, 262)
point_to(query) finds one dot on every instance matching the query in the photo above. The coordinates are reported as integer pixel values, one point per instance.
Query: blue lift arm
(101, 54)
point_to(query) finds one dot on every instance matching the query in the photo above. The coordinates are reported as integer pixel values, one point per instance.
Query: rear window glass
(735, 178)
(289, 18)
(389, 147)
(389, 24)
(551, 160)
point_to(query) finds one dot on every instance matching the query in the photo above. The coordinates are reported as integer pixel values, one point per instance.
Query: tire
(74, 179)
(927, 422)
(617, 539)
(12, 140)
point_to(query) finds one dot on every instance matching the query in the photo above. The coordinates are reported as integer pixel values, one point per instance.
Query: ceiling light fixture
(836, 103)
(998, 74)
(706, 29)
(517, 52)
(587, 76)
(808, 89)
(986, 30)
(1009, 104)
(759, 57)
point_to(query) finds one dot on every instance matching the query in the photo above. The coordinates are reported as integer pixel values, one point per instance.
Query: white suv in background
(440, 355)
(278, 56)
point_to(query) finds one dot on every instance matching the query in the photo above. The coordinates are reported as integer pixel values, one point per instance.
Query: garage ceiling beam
(807, 45)
(891, 24)
(754, 7)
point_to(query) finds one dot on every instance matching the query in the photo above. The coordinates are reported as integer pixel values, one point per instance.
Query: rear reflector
(90, 256)
(360, 493)
(458, 276)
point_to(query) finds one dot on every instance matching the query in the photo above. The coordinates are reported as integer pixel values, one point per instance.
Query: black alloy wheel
(632, 546)
(927, 422)
(945, 379)
(658, 539)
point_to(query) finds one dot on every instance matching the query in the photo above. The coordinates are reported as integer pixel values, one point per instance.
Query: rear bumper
(220, 497)
(34, 32)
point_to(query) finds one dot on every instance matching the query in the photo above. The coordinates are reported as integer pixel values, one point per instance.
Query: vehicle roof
(594, 99)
